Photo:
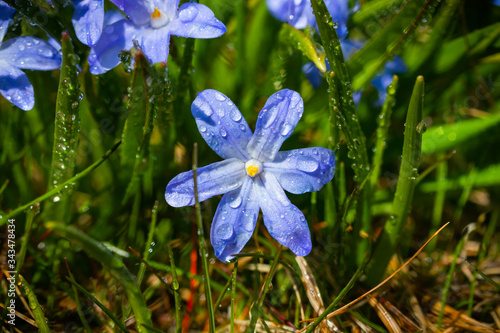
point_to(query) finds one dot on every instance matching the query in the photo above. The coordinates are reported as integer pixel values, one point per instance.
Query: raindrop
(219, 96)
(286, 129)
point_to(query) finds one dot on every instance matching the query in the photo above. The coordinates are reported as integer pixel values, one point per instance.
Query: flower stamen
(252, 170)
(156, 14)
(253, 167)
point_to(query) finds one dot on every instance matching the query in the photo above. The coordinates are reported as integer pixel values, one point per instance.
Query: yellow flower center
(252, 170)
(253, 167)
(156, 14)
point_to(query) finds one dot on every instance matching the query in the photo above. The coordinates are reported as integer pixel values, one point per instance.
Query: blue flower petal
(6, 14)
(214, 179)
(88, 20)
(304, 16)
(235, 220)
(111, 16)
(396, 66)
(283, 220)
(275, 124)
(30, 53)
(115, 38)
(15, 86)
(303, 170)
(221, 124)
(139, 11)
(196, 21)
(155, 43)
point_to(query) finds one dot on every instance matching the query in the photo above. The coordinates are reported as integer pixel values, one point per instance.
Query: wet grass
(83, 177)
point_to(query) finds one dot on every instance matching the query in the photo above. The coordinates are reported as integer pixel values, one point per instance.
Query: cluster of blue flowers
(150, 23)
(299, 14)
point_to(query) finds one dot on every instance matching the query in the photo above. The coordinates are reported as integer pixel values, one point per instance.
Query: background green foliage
(64, 177)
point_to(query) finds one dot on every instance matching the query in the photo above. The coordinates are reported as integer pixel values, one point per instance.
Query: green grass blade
(35, 306)
(383, 123)
(25, 240)
(408, 175)
(368, 61)
(71, 181)
(489, 176)
(99, 304)
(257, 306)
(440, 28)
(114, 264)
(145, 254)
(138, 107)
(202, 244)
(66, 129)
(447, 285)
(341, 295)
(437, 211)
(77, 301)
(451, 136)
(177, 295)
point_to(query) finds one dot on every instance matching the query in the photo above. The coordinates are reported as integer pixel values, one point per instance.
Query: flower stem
(202, 243)
(233, 293)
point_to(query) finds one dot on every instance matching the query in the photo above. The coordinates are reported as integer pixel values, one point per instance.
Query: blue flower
(151, 23)
(299, 13)
(254, 172)
(22, 53)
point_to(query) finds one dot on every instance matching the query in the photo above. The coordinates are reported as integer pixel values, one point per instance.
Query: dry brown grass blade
(456, 319)
(384, 315)
(345, 307)
(313, 294)
(404, 322)
(496, 316)
(417, 312)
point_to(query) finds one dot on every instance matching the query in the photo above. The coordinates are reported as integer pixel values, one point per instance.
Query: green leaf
(66, 129)
(408, 174)
(297, 39)
(35, 306)
(114, 264)
(451, 136)
(69, 182)
(383, 122)
(343, 114)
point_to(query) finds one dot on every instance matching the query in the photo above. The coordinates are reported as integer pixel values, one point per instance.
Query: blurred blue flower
(496, 2)
(22, 53)
(151, 23)
(299, 13)
(254, 172)
(384, 78)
